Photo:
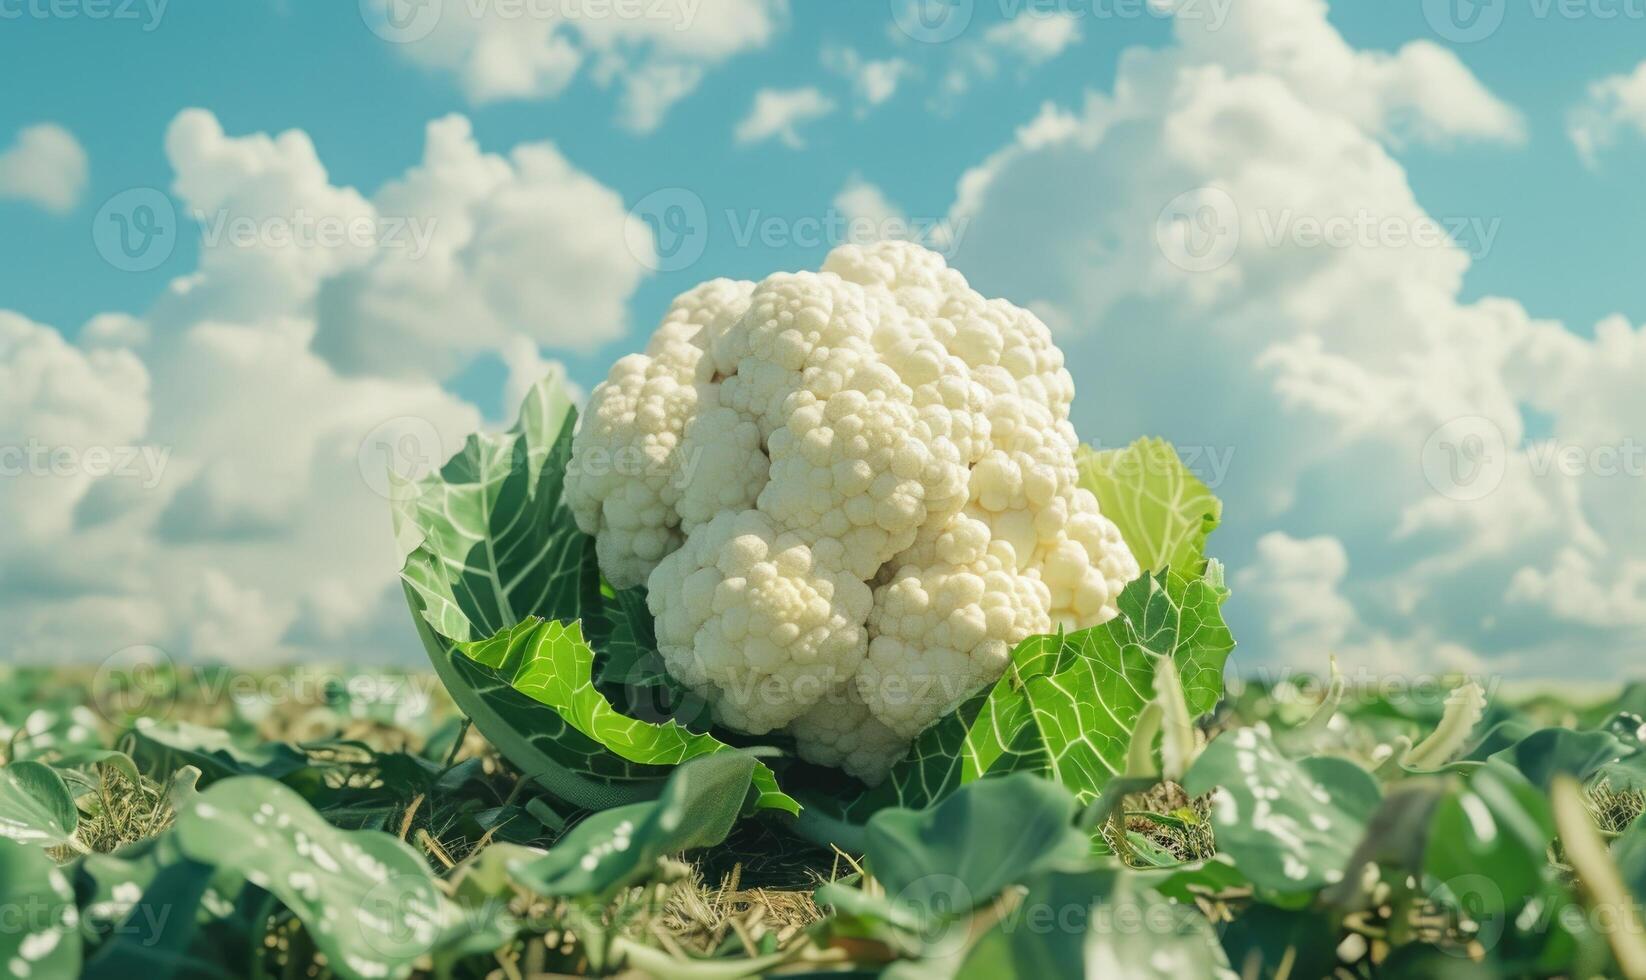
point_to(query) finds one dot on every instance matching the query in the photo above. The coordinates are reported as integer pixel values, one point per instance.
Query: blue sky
(270, 66)
(1564, 248)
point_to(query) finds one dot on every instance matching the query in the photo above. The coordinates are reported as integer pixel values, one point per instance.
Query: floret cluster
(850, 493)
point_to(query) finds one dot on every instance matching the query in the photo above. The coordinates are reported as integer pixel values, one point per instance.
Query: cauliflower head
(850, 493)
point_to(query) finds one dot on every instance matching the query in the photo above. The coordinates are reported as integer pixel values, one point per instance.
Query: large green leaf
(1068, 704)
(1097, 924)
(491, 547)
(40, 937)
(967, 849)
(621, 846)
(551, 663)
(1290, 825)
(1585, 756)
(1162, 509)
(367, 899)
(934, 868)
(35, 806)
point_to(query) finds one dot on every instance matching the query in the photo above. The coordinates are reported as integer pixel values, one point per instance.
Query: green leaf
(1097, 925)
(41, 935)
(1585, 756)
(168, 746)
(366, 898)
(491, 547)
(1163, 510)
(156, 933)
(550, 663)
(935, 867)
(1068, 704)
(966, 850)
(616, 848)
(1290, 825)
(1497, 825)
(36, 807)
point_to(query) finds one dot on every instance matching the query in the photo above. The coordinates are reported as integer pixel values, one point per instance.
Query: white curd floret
(860, 493)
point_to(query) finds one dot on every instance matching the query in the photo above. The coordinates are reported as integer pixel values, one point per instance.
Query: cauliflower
(850, 494)
(624, 481)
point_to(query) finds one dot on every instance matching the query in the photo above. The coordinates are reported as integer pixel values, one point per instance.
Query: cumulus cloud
(45, 166)
(779, 113)
(206, 479)
(497, 259)
(1613, 106)
(1235, 259)
(654, 53)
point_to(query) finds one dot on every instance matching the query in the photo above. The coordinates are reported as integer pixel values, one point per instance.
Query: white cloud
(45, 166)
(655, 53)
(861, 201)
(1170, 221)
(1420, 92)
(499, 261)
(254, 525)
(1035, 38)
(1295, 584)
(1613, 105)
(874, 81)
(779, 113)
(1026, 41)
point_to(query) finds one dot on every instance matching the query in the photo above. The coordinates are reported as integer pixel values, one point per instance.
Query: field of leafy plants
(1124, 802)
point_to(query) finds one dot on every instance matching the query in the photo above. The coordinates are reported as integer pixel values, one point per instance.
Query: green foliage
(622, 846)
(562, 675)
(1067, 705)
(35, 806)
(41, 935)
(1164, 511)
(1290, 825)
